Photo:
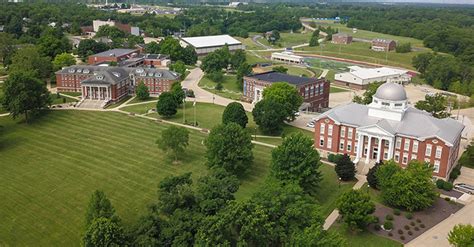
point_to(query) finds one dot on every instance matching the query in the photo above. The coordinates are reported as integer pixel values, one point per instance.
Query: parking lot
(466, 177)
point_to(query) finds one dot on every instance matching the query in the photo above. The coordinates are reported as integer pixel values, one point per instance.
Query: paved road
(437, 236)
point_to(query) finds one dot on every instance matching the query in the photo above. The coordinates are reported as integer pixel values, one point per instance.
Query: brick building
(389, 128)
(114, 55)
(112, 83)
(383, 45)
(341, 38)
(315, 92)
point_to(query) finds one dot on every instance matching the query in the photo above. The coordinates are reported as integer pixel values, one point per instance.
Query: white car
(310, 125)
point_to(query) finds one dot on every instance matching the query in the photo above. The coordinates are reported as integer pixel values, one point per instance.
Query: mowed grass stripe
(53, 165)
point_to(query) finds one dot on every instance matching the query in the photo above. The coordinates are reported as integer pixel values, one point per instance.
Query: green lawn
(136, 100)
(61, 99)
(249, 44)
(252, 59)
(51, 166)
(74, 94)
(337, 90)
(363, 239)
(208, 115)
(1, 95)
(230, 88)
(118, 103)
(289, 39)
(292, 70)
(361, 51)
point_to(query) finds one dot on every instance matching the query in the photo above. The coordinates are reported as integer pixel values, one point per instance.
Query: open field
(252, 59)
(364, 34)
(230, 88)
(363, 239)
(47, 178)
(208, 116)
(331, 190)
(292, 70)
(288, 39)
(137, 100)
(249, 44)
(361, 51)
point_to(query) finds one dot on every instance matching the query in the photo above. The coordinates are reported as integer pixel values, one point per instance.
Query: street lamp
(340, 182)
(184, 111)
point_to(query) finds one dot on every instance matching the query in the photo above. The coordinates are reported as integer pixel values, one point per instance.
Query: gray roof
(391, 91)
(341, 35)
(115, 52)
(415, 123)
(114, 75)
(273, 76)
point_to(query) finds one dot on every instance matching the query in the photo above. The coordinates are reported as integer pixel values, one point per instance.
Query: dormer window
(116, 74)
(79, 70)
(72, 70)
(139, 71)
(99, 77)
(157, 74)
(85, 71)
(150, 74)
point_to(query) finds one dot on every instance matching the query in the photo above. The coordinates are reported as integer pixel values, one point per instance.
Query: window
(330, 129)
(436, 166)
(428, 150)
(329, 143)
(341, 145)
(385, 155)
(321, 86)
(385, 104)
(349, 147)
(343, 131)
(355, 147)
(349, 132)
(399, 142)
(407, 145)
(427, 160)
(405, 158)
(414, 157)
(322, 128)
(397, 156)
(321, 142)
(439, 150)
(415, 146)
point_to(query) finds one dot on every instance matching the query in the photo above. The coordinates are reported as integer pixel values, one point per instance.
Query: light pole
(339, 182)
(194, 106)
(184, 110)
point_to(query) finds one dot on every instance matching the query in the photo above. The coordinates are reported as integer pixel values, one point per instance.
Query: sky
(431, 1)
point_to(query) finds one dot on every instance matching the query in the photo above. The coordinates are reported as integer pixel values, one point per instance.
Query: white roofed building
(207, 44)
(287, 57)
(389, 128)
(359, 77)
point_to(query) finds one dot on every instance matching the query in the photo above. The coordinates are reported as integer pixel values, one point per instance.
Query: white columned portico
(369, 144)
(391, 143)
(107, 93)
(379, 149)
(90, 93)
(360, 141)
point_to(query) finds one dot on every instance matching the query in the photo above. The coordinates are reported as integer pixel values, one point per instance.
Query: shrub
(334, 157)
(376, 219)
(400, 231)
(447, 199)
(217, 76)
(407, 227)
(345, 168)
(416, 228)
(412, 223)
(422, 225)
(418, 220)
(409, 215)
(410, 233)
(396, 211)
(389, 217)
(455, 173)
(388, 225)
(377, 227)
(443, 185)
(402, 237)
(390, 234)
(219, 86)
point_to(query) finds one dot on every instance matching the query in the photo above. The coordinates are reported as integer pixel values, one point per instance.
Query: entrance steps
(91, 104)
(363, 168)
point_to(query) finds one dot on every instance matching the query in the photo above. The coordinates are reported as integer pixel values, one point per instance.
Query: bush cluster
(443, 185)
(388, 225)
(334, 157)
(389, 217)
(409, 215)
(396, 211)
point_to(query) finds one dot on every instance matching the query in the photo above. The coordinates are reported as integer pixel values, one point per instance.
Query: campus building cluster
(389, 128)
(315, 92)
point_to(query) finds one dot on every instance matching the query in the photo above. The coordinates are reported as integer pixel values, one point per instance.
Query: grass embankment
(47, 178)
(363, 239)
(230, 88)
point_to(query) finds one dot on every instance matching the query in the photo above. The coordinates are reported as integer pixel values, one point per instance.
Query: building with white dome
(389, 128)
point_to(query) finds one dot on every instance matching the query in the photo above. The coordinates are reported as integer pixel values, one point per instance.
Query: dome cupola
(389, 102)
(391, 91)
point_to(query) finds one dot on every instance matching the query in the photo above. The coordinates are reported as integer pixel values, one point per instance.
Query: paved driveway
(467, 176)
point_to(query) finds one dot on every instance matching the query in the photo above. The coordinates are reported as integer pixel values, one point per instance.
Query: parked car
(466, 188)
(310, 125)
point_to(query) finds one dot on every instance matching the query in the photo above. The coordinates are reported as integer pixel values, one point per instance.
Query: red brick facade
(341, 39)
(100, 58)
(342, 139)
(385, 44)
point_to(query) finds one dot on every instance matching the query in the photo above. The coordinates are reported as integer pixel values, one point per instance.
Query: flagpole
(184, 110)
(194, 105)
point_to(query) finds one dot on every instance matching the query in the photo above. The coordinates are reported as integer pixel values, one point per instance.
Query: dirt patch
(420, 223)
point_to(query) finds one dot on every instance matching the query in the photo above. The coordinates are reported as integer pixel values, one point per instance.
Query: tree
(409, 188)
(235, 113)
(103, 232)
(237, 59)
(175, 139)
(403, 48)
(434, 104)
(216, 190)
(367, 96)
(230, 147)
(89, 47)
(422, 61)
(99, 207)
(24, 94)
(274, 37)
(286, 95)
(7, 48)
(345, 168)
(280, 69)
(243, 70)
(180, 68)
(371, 177)
(269, 116)
(110, 32)
(175, 193)
(442, 71)
(385, 172)
(28, 59)
(295, 160)
(166, 105)
(356, 208)
(461, 235)
(63, 60)
(52, 42)
(142, 91)
(178, 93)
(152, 47)
(314, 41)
(171, 47)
